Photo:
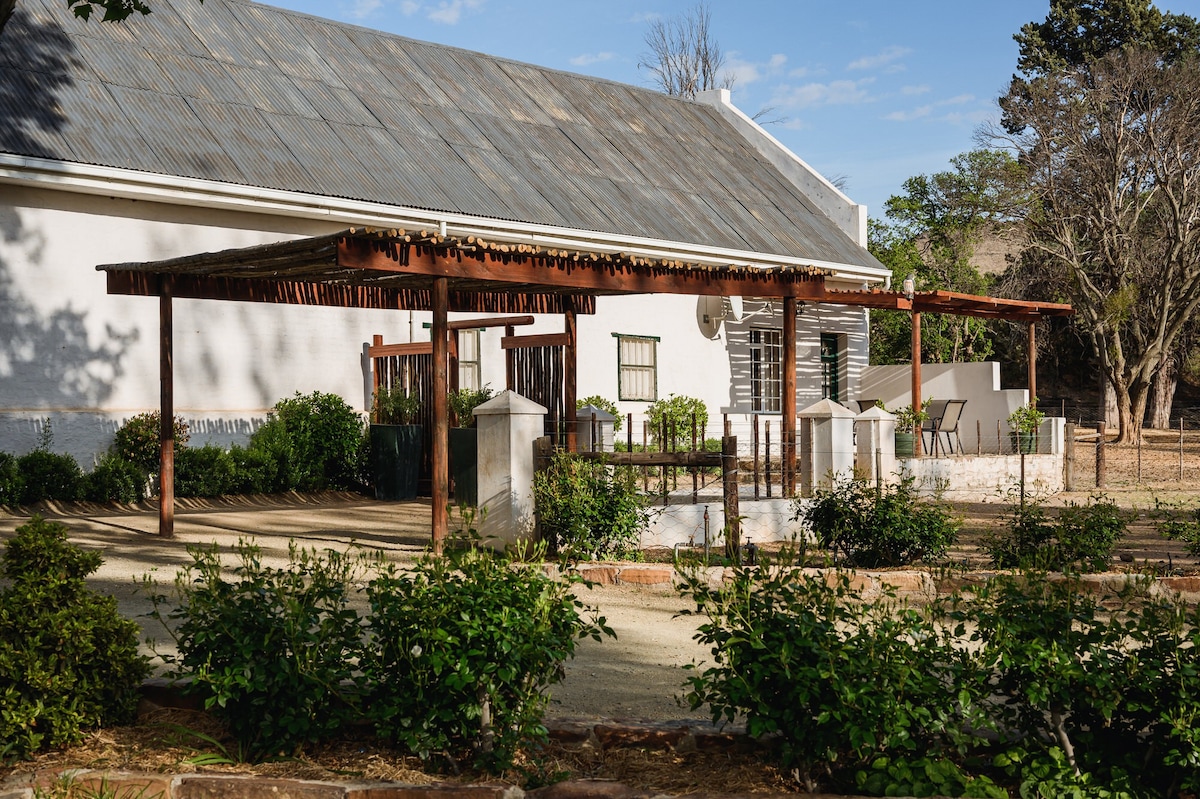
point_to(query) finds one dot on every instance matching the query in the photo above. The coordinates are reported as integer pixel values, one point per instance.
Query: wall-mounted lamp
(909, 287)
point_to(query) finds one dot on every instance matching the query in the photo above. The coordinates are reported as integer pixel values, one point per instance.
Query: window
(637, 367)
(766, 371)
(830, 367)
(469, 374)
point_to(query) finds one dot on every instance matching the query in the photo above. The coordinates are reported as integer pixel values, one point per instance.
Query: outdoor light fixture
(909, 287)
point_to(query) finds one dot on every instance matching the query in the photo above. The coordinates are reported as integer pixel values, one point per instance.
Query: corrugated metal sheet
(240, 92)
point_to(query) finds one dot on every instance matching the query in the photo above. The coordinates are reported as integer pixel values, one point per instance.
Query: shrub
(589, 510)
(48, 475)
(315, 439)
(395, 406)
(463, 402)
(68, 661)
(873, 528)
(840, 681)
(1081, 537)
(272, 651)
(255, 471)
(206, 471)
(137, 440)
(114, 480)
(676, 416)
(607, 405)
(12, 484)
(461, 650)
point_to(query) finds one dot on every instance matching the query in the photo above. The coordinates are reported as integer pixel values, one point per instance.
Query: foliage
(315, 439)
(114, 480)
(206, 471)
(607, 405)
(461, 649)
(923, 776)
(68, 661)
(873, 528)
(589, 510)
(676, 415)
(395, 406)
(49, 475)
(1080, 537)
(839, 680)
(1027, 418)
(907, 418)
(12, 483)
(255, 471)
(1178, 523)
(273, 650)
(463, 402)
(137, 440)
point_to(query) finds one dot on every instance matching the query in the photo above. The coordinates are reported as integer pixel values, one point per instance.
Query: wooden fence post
(729, 475)
(1100, 477)
(1069, 457)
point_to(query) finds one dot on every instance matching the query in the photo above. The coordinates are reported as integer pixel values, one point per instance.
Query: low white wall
(762, 520)
(985, 478)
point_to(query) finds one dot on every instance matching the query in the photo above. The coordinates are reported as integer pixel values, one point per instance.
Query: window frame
(652, 367)
(760, 401)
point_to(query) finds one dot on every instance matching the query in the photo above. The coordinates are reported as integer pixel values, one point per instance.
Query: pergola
(430, 271)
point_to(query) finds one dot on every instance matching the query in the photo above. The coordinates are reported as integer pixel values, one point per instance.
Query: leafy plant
(68, 660)
(395, 406)
(874, 528)
(1178, 523)
(114, 480)
(12, 484)
(49, 475)
(315, 439)
(463, 402)
(838, 679)
(588, 510)
(1081, 537)
(206, 471)
(461, 650)
(255, 471)
(1027, 418)
(671, 420)
(607, 405)
(273, 650)
(137, 440)
(923, 776)
(907, 418)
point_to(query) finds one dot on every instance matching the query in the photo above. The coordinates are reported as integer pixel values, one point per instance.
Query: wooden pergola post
(570, 388)
(1032, 345)
(918, 446)
(788, 405)
(440, 489)
(166, 412)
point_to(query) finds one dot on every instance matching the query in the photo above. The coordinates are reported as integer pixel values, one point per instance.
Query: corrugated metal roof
(241, 92)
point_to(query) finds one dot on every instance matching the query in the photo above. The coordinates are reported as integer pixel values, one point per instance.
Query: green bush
(206, 471)
(315, 439)
(68, 661)
(607, 405)
(461, 650)
(12, 484)
(676, 415)
(463, 402)
(588, 510)
(255, 471)
(114, 480)
(272, 650)
(49, 475)
(137, 440)
(872, 528)
(839, 680)
(1081, 537)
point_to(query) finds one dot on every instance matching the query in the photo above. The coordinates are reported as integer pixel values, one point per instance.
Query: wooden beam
(441, 423)
(788, 405)
(539, 340)
(495, 321)
(393, 350)
(166, 412)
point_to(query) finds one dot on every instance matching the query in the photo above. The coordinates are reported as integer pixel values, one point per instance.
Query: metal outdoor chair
(933, 423)
(946, 424)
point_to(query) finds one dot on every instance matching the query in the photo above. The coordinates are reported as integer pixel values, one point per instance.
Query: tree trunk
(1163, 393)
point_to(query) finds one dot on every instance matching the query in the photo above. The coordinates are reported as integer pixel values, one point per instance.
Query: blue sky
(873, 91)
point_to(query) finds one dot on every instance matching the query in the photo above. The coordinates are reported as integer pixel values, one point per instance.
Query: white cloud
(912, 91)
(449, 12)
(747, 72)
(908, 116)
(363, 8)
(953, 117)
(643, 17)
(586, 59)
(884, 58)
(838, 92)
(409, 7)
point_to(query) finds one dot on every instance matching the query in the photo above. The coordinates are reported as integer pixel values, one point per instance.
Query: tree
(114, 10)
(1109, 146)
(684, 57)
(936, 225)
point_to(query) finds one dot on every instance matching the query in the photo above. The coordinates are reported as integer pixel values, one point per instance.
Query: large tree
(934, 228)
(114, 10)
(683, 56)
(1109, 146)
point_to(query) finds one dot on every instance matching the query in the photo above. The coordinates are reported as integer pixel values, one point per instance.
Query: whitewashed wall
(86, 360)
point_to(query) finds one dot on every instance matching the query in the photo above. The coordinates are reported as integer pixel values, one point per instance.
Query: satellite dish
(735, 308)
(710, 313)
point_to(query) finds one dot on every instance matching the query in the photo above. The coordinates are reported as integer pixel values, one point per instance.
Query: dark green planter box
(906, 444)
(464, 464)
(396, 460)
(1024, 443)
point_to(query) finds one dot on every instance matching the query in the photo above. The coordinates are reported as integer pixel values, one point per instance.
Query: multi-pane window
(830, 367)
(637, 367)
(766, 371)
(469, 374)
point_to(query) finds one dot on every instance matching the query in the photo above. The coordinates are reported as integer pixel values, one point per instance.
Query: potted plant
(908, 419)
(464, 446)
(1025, 422)
(396, 443)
